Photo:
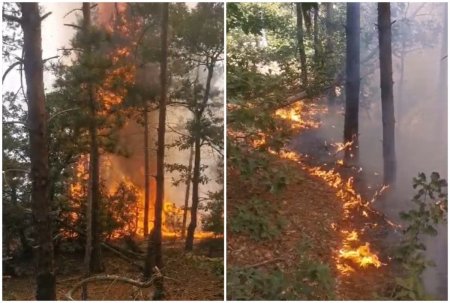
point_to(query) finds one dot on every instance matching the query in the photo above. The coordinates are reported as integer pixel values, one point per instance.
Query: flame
(341, 146)
(299, 116)
(111, 92)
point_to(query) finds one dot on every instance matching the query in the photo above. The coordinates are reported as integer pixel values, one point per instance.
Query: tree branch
(9, 69)
(12, 18)
(45, 16)
(62, 112)
(47, 59)
(72, 25)
(156, 276)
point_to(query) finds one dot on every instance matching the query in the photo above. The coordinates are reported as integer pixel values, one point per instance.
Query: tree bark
(352, 83)
(301, 46)
(316, 36)
(154, 253)
(331, 93)
(146, 171)
(197, 159)
(37, 124)
(186, 197)
(93, 257)
(387, 94)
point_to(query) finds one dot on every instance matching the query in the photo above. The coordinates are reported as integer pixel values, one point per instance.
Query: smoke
(131, 137)
(420, 100)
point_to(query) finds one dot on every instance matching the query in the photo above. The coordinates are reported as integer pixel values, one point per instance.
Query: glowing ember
(341, 146)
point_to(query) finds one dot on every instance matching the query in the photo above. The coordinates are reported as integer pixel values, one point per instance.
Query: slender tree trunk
(146, 171)
(188, 188)
(93, 257)
(387, 92)
(316, 36)
(301, 46)
(197, 160)
(37, 124)
(443, 72)
(154, 254)
(331, 94)
(352, 83)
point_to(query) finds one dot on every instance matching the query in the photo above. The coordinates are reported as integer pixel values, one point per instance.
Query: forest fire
(294, 113)
(122, 74)
(351, 247)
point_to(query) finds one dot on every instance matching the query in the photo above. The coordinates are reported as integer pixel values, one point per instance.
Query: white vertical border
(225, 151)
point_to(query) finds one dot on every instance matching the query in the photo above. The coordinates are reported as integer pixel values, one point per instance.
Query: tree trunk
(93, 257)
(387, 94)
(316, 36)
(154, 253)
(331, 94)
(186, 197)
(146, 171)
(301, 46)
(443, 78)
(352, 83)
(37, 124)
(197, 160)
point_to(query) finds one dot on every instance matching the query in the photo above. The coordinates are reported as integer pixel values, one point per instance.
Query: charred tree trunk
(146, 171)
(301, 46)
(37, 123)
(387, 92)
(93, 257)
(352, 84)
(154, 253)
(197, 159)
(188, 189)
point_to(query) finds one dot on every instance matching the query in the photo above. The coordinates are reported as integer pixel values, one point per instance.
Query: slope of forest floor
(189, 277)
(303, 261)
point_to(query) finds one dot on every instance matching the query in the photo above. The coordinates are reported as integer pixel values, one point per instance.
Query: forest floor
(331, 236)
(191, 276)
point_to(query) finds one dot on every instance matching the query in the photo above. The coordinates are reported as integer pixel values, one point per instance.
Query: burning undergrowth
(121, 162)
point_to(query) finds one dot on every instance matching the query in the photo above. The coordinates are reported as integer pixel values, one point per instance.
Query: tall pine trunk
(154, 253)
(301, 46)
(387, 92)
(188, 189)
(197, 159)
(352, 83)
(146, 171)
(37, 124)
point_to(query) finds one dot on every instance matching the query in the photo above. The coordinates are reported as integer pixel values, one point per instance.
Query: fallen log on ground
(115, 278)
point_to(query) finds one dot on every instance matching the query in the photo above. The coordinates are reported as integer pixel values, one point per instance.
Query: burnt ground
(314, 216)
(190, 277)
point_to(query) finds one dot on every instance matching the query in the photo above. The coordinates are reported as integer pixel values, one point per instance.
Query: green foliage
(213, 220)
(259, 219)
(121, 211)
(311, 281)
(430, 210)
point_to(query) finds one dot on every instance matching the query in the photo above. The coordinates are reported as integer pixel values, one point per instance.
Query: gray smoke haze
(420, 100)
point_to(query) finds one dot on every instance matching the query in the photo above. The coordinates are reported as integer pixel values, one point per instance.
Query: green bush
(430, 210)
(259, 219)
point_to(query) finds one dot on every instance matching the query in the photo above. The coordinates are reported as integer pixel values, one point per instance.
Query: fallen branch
(121, 255)
(157, 275)
(297, 97)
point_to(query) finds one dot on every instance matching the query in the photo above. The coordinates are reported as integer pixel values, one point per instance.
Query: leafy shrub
(312, 281)
(259, 219)
(430, 210)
